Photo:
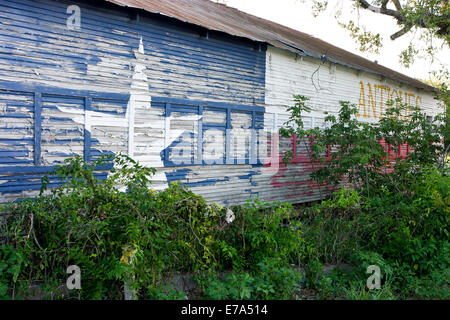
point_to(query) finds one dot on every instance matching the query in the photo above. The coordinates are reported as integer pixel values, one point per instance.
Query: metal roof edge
(286, 45)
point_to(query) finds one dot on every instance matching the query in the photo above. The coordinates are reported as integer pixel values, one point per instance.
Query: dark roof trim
(219, 17)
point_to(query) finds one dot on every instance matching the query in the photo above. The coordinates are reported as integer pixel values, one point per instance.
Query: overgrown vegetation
(144, 236)
(392, 210)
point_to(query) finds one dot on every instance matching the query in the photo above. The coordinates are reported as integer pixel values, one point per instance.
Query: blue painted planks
(17, 87)
(186, 107)
(37, 127)
(96, 64)
(224, 67)
(45, 107)
(211, 104)
(166, 147)
(228, 159)
(199, 157)
(87, 133)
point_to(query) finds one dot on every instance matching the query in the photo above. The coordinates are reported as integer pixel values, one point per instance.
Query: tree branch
(401, 32)
(442, 21)
(383, 10)
(397, 5)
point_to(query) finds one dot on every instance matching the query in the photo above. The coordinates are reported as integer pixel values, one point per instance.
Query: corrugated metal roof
(219, 17)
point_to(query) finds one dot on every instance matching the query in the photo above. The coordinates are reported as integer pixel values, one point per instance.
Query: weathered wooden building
(190, 87)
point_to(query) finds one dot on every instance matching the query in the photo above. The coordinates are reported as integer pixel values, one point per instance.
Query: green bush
(11, 263)
(92, 223)
(139, 237)
(266, 230)
(405, 235)
(334, 227)
(397, 213)
(269, 279)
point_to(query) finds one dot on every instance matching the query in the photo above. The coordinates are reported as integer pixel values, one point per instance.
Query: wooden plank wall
(173, 96)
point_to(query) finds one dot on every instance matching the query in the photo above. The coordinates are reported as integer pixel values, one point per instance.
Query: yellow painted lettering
(362, 101)
(418, 98)
(372, 101)
(409, 109)
(383, 88)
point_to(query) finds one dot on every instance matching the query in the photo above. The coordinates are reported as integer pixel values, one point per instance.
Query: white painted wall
(288, 74)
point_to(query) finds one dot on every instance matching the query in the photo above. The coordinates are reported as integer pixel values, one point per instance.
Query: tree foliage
(431, 17)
